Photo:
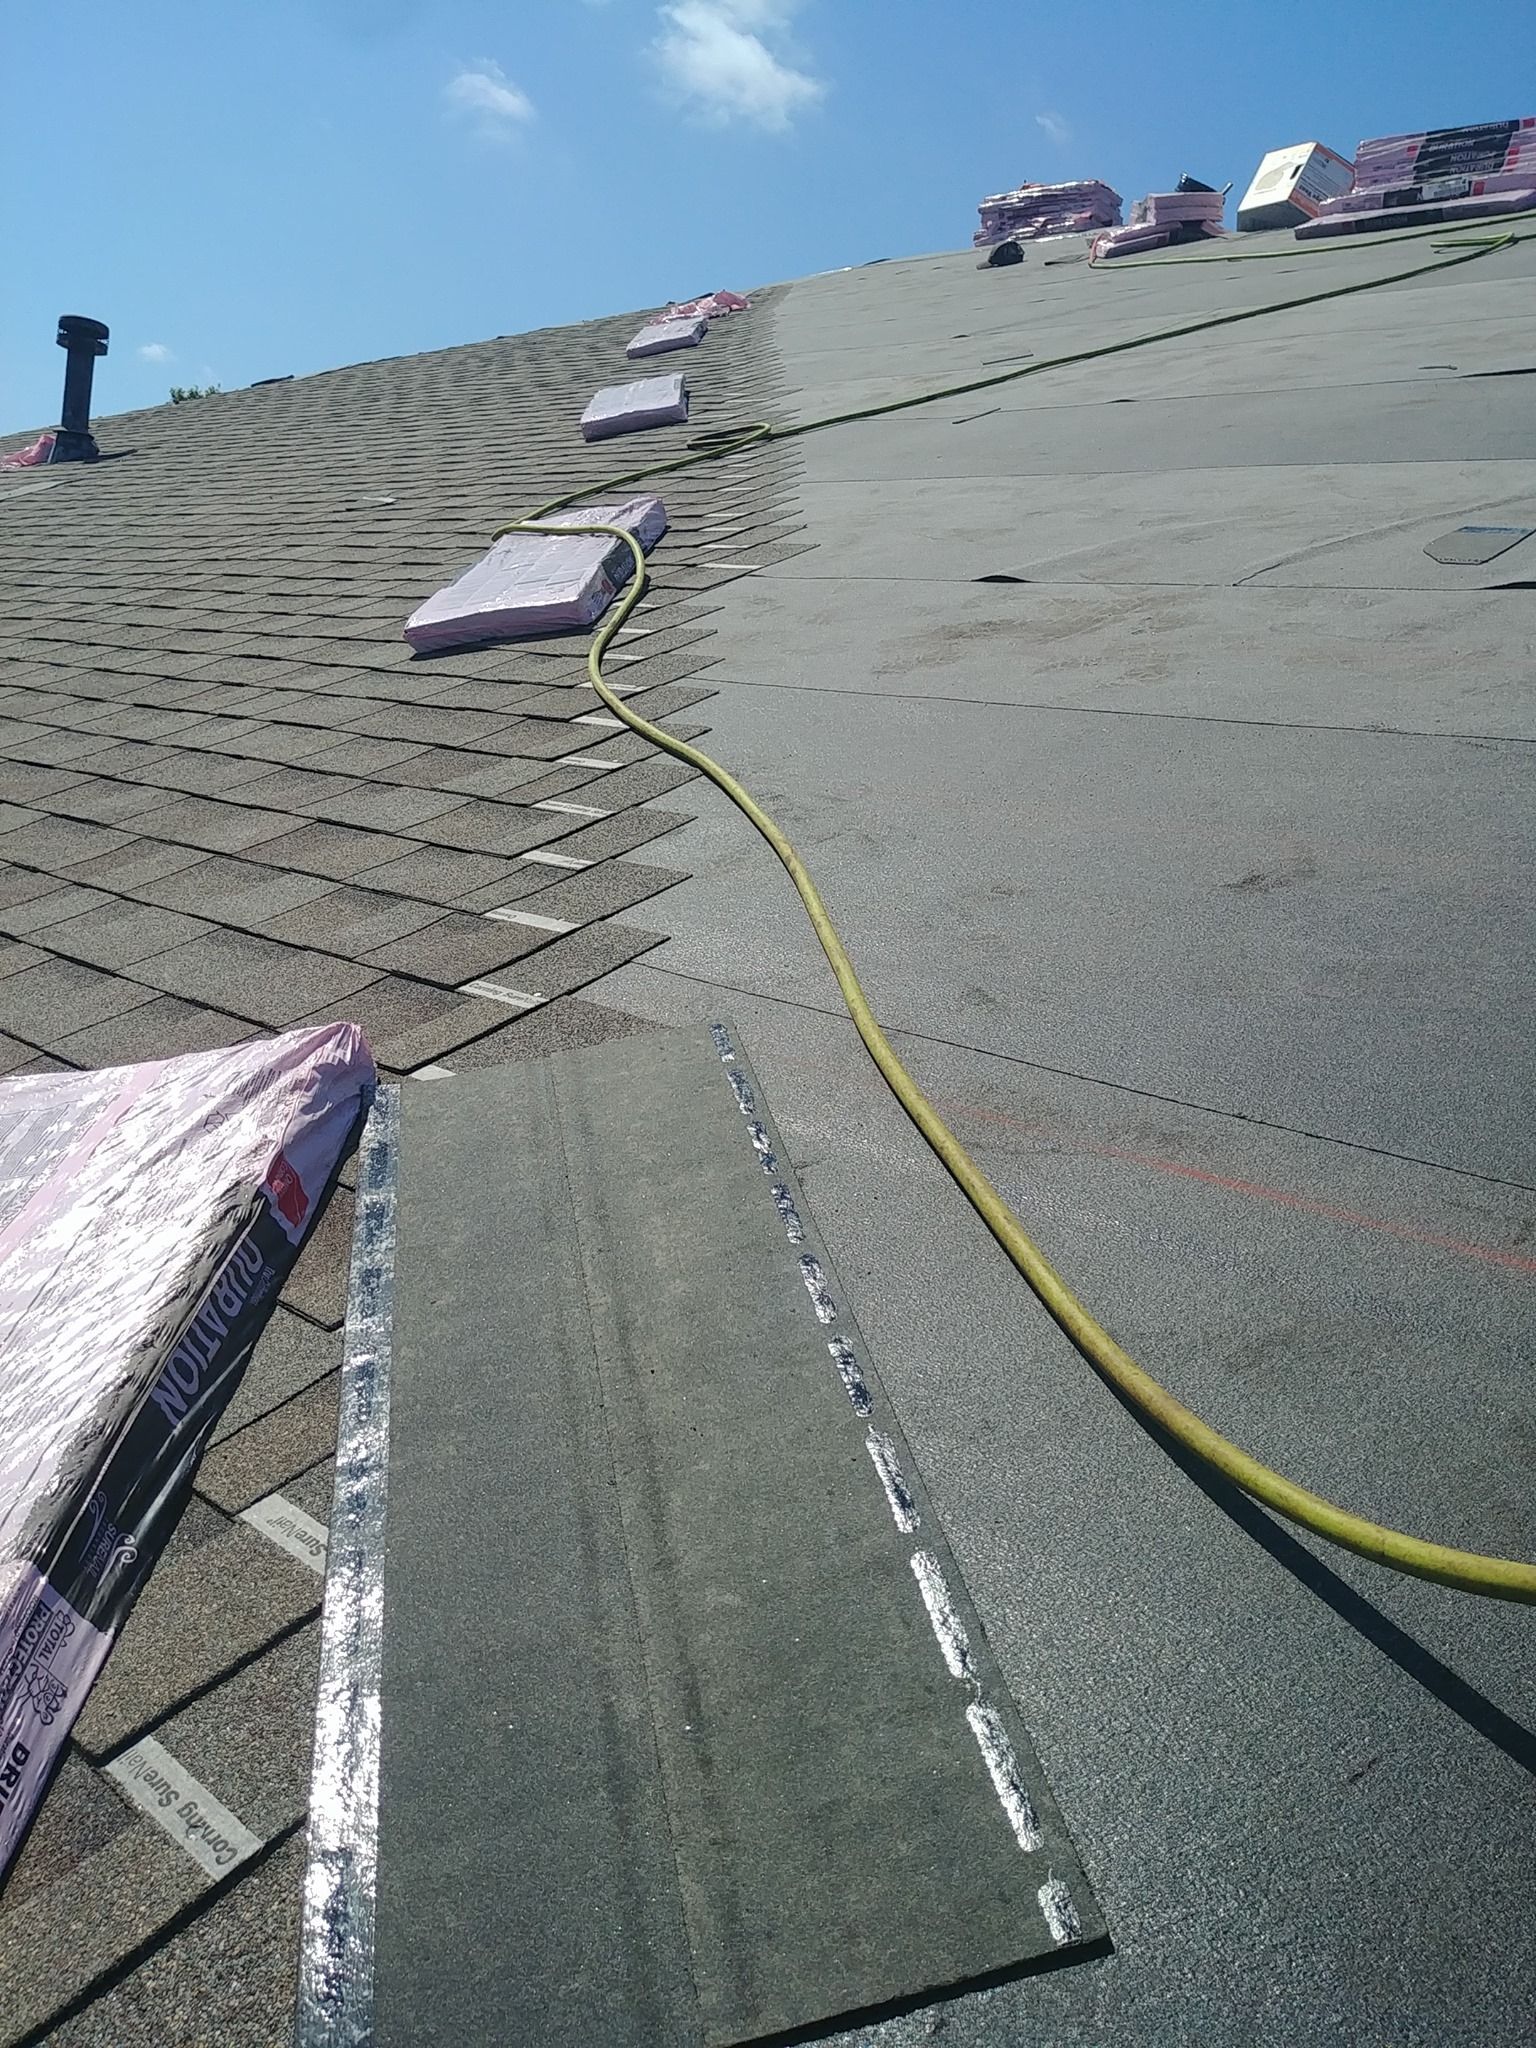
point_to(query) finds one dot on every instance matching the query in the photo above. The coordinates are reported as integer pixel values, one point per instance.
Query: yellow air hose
(1468, 1571)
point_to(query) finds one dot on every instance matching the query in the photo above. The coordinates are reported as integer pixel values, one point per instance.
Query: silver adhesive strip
(335, 2004)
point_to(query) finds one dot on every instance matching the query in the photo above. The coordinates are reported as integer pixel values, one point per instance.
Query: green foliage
(183, 391)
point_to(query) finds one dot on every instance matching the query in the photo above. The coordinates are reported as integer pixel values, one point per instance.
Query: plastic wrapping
(1035, 211)
(1429, 192)
(538, 583)
(659, 337)
(1425, 215)
(1161, 218)
(628, 408)
(148, 1218)
(35, 456)
(712, 306)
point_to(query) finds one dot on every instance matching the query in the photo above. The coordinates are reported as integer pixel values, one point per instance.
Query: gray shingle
(253, 977)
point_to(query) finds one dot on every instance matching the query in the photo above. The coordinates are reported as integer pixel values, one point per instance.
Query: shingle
(160, 1029)
(601, 891)
(58, 844)
(290, 1354)
(238, 1960)
(408, 1024)
(14, 956)
(611, 836)
(131, 866)
(440, 874)
(495, 828)
(252, 1736)
(259, 1457)
(234, 891)
(339, 851)
(50, 1003)
(351, 921)
(555, 1027)
(56, 903)
(205, 1609)
(457, 948)
(471, 774)
(23, 885)
(317, 1286)
(582, 956)
(217, 827)
(253, 977)
(102, 802)
(119, 933)
(394, 807)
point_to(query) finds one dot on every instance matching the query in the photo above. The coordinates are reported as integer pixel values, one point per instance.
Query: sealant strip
(335, 2003)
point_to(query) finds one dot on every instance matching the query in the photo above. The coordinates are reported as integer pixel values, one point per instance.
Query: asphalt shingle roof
(1188, 866)
(233, 800)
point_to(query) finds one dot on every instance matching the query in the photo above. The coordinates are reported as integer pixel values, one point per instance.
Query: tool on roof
(1496, 1578)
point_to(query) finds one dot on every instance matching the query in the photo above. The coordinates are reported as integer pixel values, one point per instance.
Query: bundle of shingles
(1164, 217)
(1440, 174)
(1034, 211)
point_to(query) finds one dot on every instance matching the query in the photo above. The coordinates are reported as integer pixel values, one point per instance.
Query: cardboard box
(1289, 184)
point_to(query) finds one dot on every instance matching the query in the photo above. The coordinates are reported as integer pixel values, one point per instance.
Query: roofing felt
(1188, 867)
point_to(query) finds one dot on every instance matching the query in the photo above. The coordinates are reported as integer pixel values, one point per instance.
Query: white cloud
(718, 57)
(483, 91)
(155, 352)
(1054, 127)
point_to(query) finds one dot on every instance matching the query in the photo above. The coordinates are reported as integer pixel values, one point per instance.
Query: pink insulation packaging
(149, 1217)
(539, 583)
(627, 408)
(712, 306)
(659, 337)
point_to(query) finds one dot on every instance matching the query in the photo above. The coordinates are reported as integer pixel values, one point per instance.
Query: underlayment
(1301, 1789)
(690, 1731)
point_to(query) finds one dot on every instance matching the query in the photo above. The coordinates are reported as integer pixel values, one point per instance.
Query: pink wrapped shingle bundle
(1441, 174)
(149, 1217)
(712, 306)
(658, 337)
(1425, 214)
(1375, 198)
(1033, 211)
(1162, 218)
(629, 408)
(530, 583)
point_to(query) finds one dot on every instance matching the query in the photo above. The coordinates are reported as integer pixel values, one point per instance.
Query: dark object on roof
(646, 1710)
(286, 379)
(84, 340)
(1469, 545)
(1189, 184)
(1001, 254)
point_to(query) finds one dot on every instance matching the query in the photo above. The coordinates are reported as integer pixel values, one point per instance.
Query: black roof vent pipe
(83, 340)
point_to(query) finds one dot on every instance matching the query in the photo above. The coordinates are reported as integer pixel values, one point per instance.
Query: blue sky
(242, 190)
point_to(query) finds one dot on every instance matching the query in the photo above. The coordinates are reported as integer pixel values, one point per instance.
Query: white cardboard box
(1289, 183)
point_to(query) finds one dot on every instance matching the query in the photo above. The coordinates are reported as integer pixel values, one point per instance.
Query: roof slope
(232, 799)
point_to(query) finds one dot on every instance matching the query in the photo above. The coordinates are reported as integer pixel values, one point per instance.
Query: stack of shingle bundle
(1161, 218)
(1034, 211)
(1441, 174)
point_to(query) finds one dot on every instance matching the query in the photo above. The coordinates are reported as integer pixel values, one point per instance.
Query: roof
(1175, 806)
